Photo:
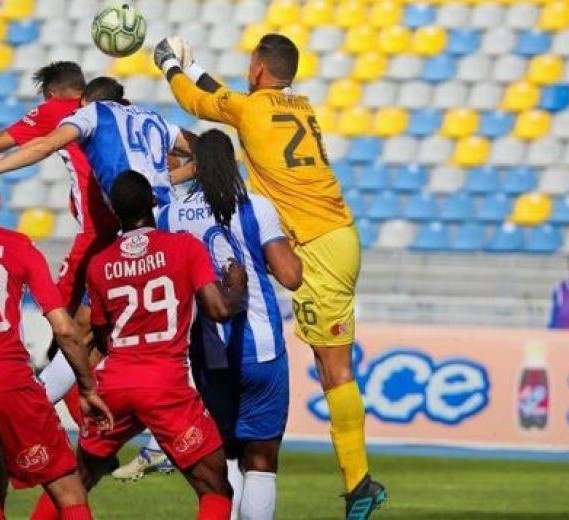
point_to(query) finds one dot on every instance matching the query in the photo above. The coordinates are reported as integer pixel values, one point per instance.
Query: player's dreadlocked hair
(60, 74)
(218, 176)
(280, 56)
(132, 199)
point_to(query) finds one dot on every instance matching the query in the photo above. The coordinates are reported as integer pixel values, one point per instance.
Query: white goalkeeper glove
(172, 52)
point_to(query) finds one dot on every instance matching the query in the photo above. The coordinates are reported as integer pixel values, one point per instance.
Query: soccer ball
(118, 29)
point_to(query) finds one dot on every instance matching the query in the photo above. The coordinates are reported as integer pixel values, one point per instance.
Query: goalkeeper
(283, 149)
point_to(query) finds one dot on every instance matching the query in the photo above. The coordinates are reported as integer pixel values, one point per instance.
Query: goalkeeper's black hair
(104, 88)
(59, 74)
(280, 56)
(217, 175)
(132, 200)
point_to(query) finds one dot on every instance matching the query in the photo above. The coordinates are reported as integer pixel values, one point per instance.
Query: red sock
(45, 509)
(76, 512)
(214, 507)
(72, 402)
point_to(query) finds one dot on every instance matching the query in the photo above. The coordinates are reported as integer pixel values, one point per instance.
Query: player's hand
(234, 276)
(172, 52)
(95, 410)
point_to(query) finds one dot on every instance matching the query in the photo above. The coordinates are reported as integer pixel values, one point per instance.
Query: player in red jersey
(34, 447)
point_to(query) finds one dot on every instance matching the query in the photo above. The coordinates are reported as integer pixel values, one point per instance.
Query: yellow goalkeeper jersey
(283, 149)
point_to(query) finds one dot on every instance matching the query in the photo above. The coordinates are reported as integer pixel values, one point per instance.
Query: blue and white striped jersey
(256, 335)
(118, 138)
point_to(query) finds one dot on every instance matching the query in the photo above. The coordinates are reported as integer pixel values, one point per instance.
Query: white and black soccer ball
(119, 29)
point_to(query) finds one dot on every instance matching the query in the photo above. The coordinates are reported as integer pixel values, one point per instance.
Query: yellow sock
(347, 430)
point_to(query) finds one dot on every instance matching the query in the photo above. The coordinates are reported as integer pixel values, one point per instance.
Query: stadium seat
(487, 16)
(23, 32)
(222, 37)
(326, 39)
(282, 12)
(439, 68)
(395, 234)
(421, 206)
(8, 219)
(543, 239)
(532, 42)
(494, 207)
(344, 172)
(356, 202)
(532, 124)
(445, 179)
(469, 237)
(336, 66)
(354, 121)
(544, 152)
(560, 45)
(57, 197)
(11, 109)
(400, 150)
(554, 181)
(248, 12)
(424, 122)
(133, 65)
(374, 177)
(415, 94)
(531, 209)
(429, 40)
(507, 238)
(327, 118)
(457, 207)
(460, 122)
(561, 125)
(298, 33)
(471, 151)
(394, 40)
(419, 15)
(555, 98)
(498, 41)
(369, 66)
(453, 15)
(390, 121)
(17, 9)
(404, 67)
(485, 96)
(482, 180)
(6, 57)
(336, 146)
(307, 65)
(86, 9)
(384, 206)
(496, 124)
(231, 64)
(554, 16)
(250, 36)
(508, 68)
(507, 151)
(36, 223)
(432, 236)
(364, 149)
(350, 13)
(65, 227)
(316, 13)
(8, 83)
(184, 11)
(560, 212)
(385, 14)
(214, 12)
(545, 69)
(177, 115)
(409, 177)
(63, 52)
(368, 232)
(519, 179)
(474, 68)
(379, 93)
(463, 41)
(434, 150)
(27, 193)
(344, 93)
(521, 95)
(450, 94)
(521, 15)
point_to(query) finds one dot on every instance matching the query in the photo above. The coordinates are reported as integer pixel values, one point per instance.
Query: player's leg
(69, 497)
(149, 458)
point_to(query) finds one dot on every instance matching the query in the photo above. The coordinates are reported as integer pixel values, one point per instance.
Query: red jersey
(21, 264)
(87, 203)
(143, 285)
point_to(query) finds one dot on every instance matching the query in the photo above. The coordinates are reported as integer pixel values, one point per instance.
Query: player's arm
(285, 266)
(39, 148)
(182, 173)
(6, 141)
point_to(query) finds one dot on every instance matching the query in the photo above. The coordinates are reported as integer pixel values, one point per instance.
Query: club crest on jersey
(191, 439)
(135, 246)
(34, 458)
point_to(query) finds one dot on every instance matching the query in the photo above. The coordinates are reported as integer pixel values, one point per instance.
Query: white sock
(153, 444)
(57, 377)
(259, 496)
(236, 480)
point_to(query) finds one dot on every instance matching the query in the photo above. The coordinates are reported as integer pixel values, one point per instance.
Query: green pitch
(309, 485)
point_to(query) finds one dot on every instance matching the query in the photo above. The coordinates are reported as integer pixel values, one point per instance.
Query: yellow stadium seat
(350, 13)
(554, 16)
(362, 38)
(283, 12)
(390, 121)
(521, 95)
(545, 69)
(344, 93)
(531, 209)
(385, 13)
(317, 12)
(429, 40)
(36, 223)
(460, 122)
(6, 56)
(133, 65)
(471, 151)
(17, 9)
(327, 119)
(307, 65)
(354, 121)
(3, 29)
(369, 66)
(395, 40)
(252, 34)
(298, 33)
(532, 124)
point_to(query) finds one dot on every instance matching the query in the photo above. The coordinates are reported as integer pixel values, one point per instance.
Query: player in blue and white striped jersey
(241, 368)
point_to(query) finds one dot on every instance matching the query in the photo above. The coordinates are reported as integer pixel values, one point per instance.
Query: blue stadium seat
(560, 213)
(532, 42)
(463, 41)
(364, 149)
(8, 219)
(23, 32)
(456, 207)
(519, 179)
(432, 236)
(483, 179)
(507, 238)
(344, 173)
(22, 174)
(419, 15)
(11, 109)
(409, 177)
(555, 97)
(5, 191)
(424, 122)
(543, 239)
(495, 207)
(356, 202)
(421, 206)
(384, 206)
(9, 82)
(368, 232)
(237, 84)
(496, 124)
(469, 237)
(441, 67)
(177, 115)
(374, 177)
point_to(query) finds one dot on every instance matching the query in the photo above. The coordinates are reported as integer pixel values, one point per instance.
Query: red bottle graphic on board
(533, 395)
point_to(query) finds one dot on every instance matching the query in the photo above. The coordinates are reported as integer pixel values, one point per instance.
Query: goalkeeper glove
(172, 52)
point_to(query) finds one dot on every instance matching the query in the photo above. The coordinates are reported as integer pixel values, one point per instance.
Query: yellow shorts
(324, 304)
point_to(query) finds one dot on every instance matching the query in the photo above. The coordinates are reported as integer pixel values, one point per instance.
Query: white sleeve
(173, 132)
(84, 119)
(269, 223)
